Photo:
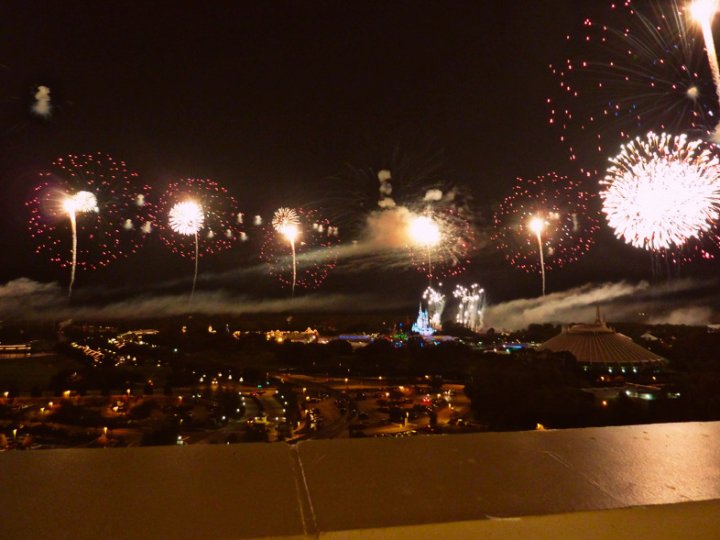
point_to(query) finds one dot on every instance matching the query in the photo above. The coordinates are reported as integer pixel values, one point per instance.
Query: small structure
(599, 347)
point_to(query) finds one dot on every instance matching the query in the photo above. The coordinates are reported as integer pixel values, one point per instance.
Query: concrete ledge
(624, 482)
(662, 522)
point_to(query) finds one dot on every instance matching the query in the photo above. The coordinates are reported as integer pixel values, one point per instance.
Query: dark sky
(272, 99)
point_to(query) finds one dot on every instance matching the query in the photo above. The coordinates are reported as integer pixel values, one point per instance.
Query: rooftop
(599, 344)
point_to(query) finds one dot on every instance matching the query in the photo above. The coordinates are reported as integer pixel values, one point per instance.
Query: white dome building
(599, 347)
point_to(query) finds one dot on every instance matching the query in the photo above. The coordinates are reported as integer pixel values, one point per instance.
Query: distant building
(309, 335)
(357, 341)
(15, 349)
(599, 347)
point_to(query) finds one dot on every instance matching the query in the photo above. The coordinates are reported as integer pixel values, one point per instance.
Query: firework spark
(634, 68)
(311, 240)
(95, 201)
(557, 207)
(471, 308)
(435, 301)
(662, 191)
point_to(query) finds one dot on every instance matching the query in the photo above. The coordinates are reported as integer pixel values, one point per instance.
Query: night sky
(273, 99)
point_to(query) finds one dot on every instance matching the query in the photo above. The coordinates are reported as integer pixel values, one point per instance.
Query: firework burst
(88, 211)
(471, 308)
(554, 206)
(662, 191)
(200, 218)
(435, 301)
(632, 69)
(441, 240)
(200, 204)
(299, 248)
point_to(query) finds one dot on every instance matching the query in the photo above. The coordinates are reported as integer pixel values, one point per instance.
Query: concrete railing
(659, 481)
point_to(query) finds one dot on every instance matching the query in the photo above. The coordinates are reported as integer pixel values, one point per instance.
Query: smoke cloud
(42, 106)
(384, 177)
(387, 229)
(618, 301)
(30, 300)
(433, 195)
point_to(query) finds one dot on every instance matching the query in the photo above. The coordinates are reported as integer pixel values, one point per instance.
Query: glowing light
(290, 232)
(703, 10)
(536, 225)
(662, 190)
(424, 231)
(186, 218)
(82, 201)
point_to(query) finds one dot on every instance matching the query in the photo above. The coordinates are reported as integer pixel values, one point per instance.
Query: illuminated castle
(422, 324)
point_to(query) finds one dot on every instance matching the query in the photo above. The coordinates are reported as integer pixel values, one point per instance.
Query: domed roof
(599, 344)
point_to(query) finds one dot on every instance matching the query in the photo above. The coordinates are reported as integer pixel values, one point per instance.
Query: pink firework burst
(634, 68)
(219, 229)
(112, 217)
(553, 205)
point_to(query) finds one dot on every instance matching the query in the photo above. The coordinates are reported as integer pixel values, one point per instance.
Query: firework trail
(95, 201)
(662, 191)
(312, 242)
(471, 308)
(537, 225)
(286, 222)
(550, 214)
(634, 68)
(202, 219)
(435, 301)
(80, 202)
